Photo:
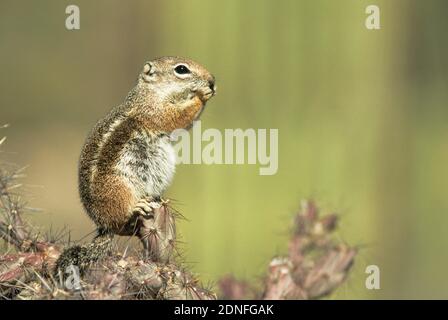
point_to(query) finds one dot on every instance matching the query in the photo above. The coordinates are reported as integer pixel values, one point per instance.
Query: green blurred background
(362, 118)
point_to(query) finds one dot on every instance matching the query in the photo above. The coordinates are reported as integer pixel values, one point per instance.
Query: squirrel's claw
(164, 201)
(144, 208)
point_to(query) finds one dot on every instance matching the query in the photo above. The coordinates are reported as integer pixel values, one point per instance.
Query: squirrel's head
(179, 89)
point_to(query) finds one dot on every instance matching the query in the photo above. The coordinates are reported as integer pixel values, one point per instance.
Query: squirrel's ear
(148, 71)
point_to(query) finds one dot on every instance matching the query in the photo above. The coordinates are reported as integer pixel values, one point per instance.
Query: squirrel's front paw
(145, 208)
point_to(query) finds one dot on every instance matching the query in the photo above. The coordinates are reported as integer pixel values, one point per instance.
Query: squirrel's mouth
(206, 93)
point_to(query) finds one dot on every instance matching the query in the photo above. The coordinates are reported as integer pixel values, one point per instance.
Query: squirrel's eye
(181, 69)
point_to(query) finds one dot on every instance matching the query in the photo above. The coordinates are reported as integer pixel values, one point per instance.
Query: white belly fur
(147, 165)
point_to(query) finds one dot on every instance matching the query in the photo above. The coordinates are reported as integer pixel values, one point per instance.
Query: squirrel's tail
(84, 256)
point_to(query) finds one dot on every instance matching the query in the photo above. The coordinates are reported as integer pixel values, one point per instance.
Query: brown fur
(173, 118)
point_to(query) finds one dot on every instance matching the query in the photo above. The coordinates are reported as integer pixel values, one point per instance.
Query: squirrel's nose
(211, 84)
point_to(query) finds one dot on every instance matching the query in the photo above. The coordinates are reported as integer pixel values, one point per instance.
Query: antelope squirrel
(127, 159)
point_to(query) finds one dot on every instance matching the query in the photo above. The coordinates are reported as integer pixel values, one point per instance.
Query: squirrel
(127, 160)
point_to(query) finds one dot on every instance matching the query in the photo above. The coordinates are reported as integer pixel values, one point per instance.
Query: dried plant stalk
(315, 266)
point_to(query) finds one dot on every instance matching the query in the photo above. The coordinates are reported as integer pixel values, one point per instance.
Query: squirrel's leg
(144, 210)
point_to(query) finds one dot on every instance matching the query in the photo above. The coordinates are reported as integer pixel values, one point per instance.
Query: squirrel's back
(95, 161)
